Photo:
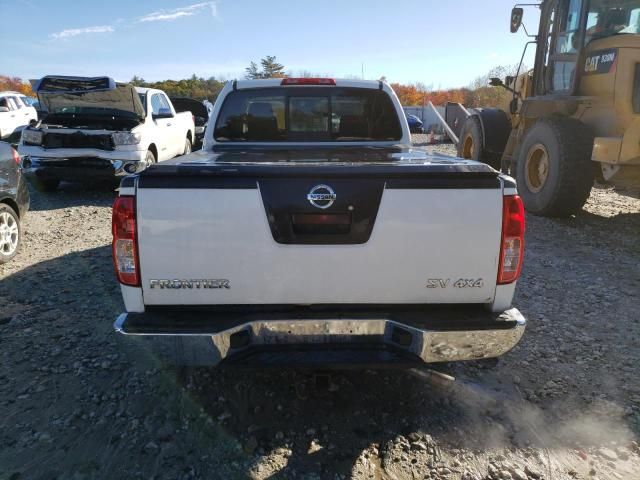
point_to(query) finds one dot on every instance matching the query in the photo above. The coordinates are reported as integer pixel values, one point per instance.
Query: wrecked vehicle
(200, 116)
(97, 129)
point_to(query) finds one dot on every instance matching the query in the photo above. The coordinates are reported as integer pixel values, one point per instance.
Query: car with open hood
(97, 129)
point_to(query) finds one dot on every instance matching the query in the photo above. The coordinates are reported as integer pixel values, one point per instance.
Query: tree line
(477, 93)
(194, 87)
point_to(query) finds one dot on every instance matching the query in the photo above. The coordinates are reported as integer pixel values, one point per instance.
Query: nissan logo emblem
(321, 196)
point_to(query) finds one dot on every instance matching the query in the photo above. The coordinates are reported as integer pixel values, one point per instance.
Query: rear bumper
(300, 337)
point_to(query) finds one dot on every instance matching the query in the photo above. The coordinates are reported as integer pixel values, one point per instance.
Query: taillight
(16, 156)
(125, 245)
(512, 244)
(308, 81)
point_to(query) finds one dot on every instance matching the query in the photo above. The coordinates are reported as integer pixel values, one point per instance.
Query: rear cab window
(314, 114)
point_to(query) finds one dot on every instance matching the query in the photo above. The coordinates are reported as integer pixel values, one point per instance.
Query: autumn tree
(410, 94)
(477, 94)
(16, 84)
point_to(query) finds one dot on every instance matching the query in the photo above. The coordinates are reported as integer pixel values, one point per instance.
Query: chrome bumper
(437, 345)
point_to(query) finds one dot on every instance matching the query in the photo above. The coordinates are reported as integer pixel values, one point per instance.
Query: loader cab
(574, 38)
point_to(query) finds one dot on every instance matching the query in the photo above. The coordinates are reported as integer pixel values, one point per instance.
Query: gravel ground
(78, 401)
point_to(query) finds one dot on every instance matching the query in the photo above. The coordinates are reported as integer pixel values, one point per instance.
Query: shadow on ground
(70, 195)
(225, 423)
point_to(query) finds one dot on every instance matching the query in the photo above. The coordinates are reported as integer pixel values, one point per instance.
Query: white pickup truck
(309, 231)
(16, 113)
(97, 129)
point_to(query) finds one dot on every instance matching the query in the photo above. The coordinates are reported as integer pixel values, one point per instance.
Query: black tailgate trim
(356, 198)
(397, 180)
(472, 182)
(198, 182)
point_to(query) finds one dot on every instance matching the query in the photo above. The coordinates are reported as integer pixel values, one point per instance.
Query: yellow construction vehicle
(575, 117)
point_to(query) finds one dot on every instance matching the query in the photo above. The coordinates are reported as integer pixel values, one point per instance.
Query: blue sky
(439, 43)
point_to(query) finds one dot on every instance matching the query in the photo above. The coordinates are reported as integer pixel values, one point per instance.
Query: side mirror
(495, 82)
(508, 80)
(516, 19)
(162, 113)
(4, 109)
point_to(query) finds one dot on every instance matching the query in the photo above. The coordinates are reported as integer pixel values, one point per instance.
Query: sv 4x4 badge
(460, 283)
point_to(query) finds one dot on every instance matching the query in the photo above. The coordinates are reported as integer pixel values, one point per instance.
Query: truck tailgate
(251, 234)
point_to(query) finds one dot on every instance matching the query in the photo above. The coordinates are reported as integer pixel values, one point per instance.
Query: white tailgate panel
(223, 234)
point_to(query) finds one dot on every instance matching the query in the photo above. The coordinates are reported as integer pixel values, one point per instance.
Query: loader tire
(471, 144)
(554, 171)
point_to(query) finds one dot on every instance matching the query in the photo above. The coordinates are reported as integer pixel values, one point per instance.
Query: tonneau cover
(325, 161)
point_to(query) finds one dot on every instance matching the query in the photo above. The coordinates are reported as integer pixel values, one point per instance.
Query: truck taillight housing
(512, 243)
(125, 244)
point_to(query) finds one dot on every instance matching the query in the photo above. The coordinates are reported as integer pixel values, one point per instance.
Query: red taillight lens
(512, 245)
(308, 81)
(125, 245)
(16, 156)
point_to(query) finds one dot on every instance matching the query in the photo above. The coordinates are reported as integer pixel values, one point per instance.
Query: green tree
(252, 71)
(193, 87)
(270, 69)
(482, 95)
(137, 81)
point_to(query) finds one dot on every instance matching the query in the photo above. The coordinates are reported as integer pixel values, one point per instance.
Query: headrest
(353, 126)
(261, 109)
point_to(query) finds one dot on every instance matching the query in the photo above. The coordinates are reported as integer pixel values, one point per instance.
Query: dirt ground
(78, 401)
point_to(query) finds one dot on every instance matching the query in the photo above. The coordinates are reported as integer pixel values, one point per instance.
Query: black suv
(14, 202)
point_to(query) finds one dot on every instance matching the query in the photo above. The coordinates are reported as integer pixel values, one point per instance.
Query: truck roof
(339, 82)
(146, 90)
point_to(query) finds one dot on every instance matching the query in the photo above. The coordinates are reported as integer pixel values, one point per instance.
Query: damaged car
(96, 129)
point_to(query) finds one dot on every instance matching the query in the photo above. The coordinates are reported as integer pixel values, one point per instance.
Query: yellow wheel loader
(575, 117)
